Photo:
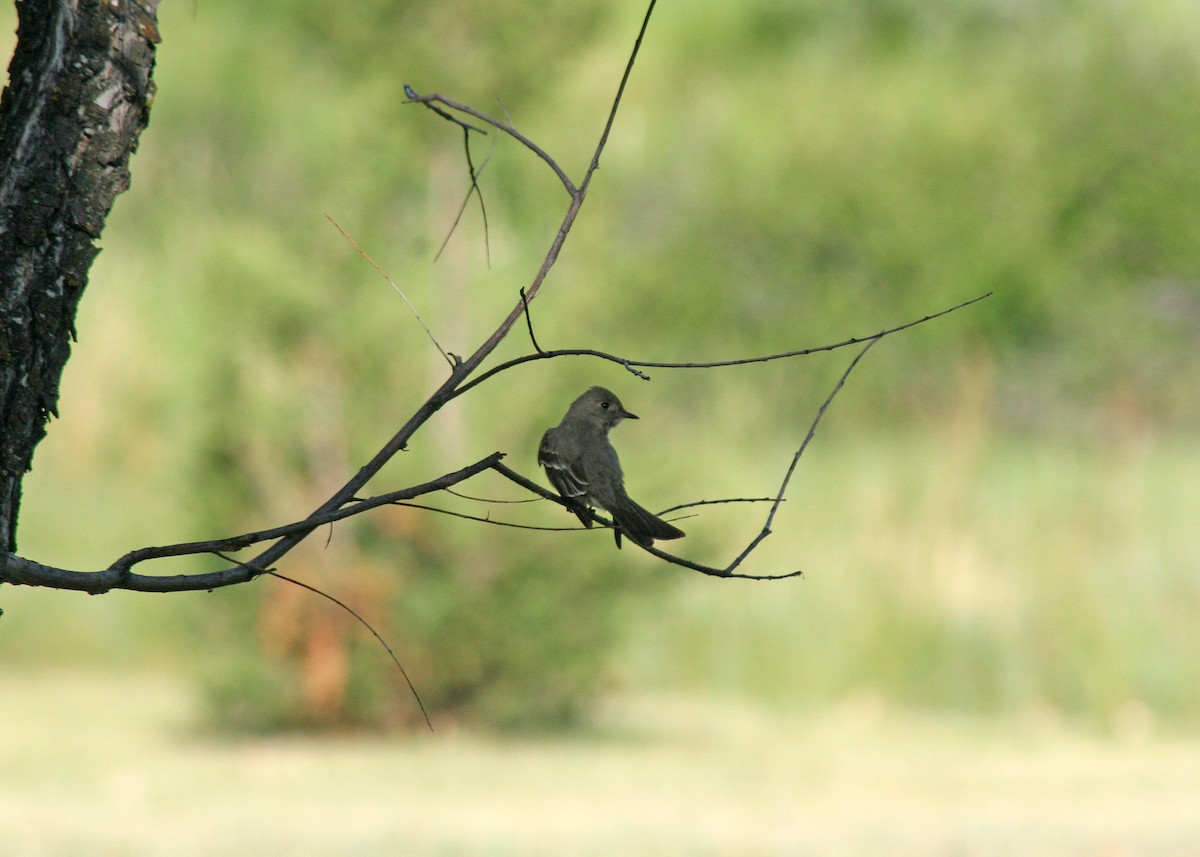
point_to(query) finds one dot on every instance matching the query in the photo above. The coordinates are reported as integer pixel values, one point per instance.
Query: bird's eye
(604, 405)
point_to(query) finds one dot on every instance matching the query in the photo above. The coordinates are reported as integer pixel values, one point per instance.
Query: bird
(584, 468)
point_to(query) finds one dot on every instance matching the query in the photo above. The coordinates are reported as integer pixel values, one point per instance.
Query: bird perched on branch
(583, 467)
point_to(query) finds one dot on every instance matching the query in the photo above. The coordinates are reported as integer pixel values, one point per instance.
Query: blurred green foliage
(961, 570)
(783, 173)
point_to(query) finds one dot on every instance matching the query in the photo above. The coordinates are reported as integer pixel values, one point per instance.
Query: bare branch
(722, 501)
(431, 101)
(428, 101)
(345, 503)
(473, 189)
(612, 113)
(729, 570)
(464, 368)
(529, 324)
(359, 506)
(577, 196)
(485, 519)
(629, 363)
(399, 291)
(529, 485)
(475, 499)
(412, 689)
(20, 571)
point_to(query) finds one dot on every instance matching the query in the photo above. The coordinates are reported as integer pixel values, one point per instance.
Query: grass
(113, 764)
(958, 570)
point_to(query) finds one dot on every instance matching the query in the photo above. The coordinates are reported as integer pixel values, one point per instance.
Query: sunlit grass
(113, 764)
(958, 569)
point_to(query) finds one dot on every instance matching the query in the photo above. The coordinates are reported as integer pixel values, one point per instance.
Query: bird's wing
(567, 476)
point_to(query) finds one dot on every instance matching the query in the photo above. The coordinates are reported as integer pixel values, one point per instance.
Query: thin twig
(399, 291)
(366, 625)
(812, 430)
(342, 503)
(529, 323)
(628, 363)
(483, 519)
(431, 101)
(729, 570)
(695, 503)
(119, 575)
(612, 113)
(490, 499)
(411, 95)
(473, 189)
(273, 573)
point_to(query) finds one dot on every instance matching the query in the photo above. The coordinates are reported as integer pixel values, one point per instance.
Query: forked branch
(730, 570)
(632, 365)
(344, 502)
(464, 375)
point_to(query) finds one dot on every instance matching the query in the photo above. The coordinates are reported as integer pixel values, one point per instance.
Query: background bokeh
(996, 518)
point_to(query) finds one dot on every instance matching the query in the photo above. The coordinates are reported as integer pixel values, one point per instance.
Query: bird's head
(600, 406)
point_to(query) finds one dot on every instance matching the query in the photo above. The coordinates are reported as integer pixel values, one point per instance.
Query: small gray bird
(583, 467)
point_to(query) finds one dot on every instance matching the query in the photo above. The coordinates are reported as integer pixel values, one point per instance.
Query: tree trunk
(79, 95)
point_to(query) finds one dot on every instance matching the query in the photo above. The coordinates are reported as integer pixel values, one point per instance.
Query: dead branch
(729, 571)
(630, 364)
(358, 617)
(17, 570)
(343, 503)
(462, 377)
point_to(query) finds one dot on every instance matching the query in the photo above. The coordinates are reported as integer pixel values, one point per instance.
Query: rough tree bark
(78, 97)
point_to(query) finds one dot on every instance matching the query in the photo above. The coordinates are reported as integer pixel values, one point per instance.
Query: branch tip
(412, 689)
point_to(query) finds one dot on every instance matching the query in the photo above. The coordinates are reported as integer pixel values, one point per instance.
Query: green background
(998, 514)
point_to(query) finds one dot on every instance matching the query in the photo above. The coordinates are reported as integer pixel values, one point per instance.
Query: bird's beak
(629, 416)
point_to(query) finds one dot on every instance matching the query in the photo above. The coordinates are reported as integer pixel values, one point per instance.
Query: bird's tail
(641, 525)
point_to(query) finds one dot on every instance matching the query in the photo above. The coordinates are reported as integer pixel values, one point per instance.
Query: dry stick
(528, 323)
(473, 189)
(612, 114)
(474, 499)
(766, 530)
(463, 370)
(119, 575)
(412, 96)
(459, 370)
(366, 625)
(431, 101)
(273, 573)
(387, 277)
(529, 485)
(630, 363)
(728, 571)
(486, 519)
(721, 501)
(361, 505)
